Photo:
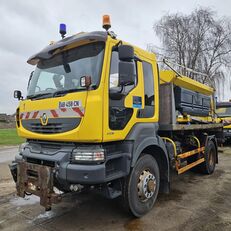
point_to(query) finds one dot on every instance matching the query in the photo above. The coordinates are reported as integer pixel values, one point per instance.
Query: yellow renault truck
(223, 111)
(100, 115)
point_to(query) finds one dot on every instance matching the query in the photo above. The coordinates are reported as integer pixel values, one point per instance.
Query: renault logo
(44, 119)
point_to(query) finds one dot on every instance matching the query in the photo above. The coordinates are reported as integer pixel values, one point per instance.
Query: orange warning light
(106, 22)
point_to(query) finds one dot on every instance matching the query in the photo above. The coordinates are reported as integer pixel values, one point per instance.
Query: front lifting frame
(38, 180)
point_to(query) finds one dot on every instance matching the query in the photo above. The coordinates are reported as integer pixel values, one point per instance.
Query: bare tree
(198, 41)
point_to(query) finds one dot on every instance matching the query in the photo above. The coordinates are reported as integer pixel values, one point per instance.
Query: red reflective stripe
(21, 116)
(63, 109)
(35, 114)
(27, 115)
(76, 109)
(54, 113)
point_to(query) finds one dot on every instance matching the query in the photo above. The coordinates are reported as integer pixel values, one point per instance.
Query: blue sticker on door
(137, 102)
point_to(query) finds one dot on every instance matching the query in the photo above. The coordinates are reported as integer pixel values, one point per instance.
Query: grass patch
(10, 137)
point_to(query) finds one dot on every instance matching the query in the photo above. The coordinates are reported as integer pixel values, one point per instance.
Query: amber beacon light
(106, 22)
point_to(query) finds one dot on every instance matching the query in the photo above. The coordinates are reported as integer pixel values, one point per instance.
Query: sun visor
(67, 43)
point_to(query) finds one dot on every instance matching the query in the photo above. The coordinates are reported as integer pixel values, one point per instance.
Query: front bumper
(40, 168)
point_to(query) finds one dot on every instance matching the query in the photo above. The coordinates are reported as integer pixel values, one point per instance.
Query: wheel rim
(146, 185)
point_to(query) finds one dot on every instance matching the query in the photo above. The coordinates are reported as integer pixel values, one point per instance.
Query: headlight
(21, 148)
(86, 155)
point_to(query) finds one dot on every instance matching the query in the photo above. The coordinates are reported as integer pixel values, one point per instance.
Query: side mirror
(18, 94)
(85, 81)
(126, 53)
(126, 73)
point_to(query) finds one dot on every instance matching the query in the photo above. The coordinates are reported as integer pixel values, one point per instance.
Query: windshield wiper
(64, 92)
(39, 96)
(223, 116)
(57, 93)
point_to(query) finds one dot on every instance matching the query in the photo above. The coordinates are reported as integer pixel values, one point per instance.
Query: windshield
(63, 71)
(223, 111)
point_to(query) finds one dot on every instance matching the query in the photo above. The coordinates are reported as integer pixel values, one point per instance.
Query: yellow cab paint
(91, 125)
(92, 104)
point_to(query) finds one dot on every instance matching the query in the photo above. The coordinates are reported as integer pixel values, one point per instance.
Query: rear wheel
(209, 165)
(141, 187)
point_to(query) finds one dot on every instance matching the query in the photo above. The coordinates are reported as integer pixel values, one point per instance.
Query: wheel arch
(157, 149)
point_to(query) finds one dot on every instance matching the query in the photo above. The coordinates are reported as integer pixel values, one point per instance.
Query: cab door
(121, 103)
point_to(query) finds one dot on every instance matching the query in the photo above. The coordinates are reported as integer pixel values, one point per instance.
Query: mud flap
(37, 180)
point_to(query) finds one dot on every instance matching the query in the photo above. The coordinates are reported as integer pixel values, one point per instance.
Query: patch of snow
(28, 200)
(2, 221)
(43, 216)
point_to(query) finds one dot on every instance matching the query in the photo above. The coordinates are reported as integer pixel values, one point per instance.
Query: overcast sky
(27, 26)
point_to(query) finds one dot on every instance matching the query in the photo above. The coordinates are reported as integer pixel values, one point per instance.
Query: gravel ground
(196, 202)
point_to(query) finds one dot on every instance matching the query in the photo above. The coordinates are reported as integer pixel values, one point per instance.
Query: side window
(148, 110)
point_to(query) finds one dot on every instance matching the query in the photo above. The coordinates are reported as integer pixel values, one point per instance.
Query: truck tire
(141, 187)
(209, 165)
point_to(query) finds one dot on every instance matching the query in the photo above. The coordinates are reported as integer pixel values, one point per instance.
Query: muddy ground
(196, 202)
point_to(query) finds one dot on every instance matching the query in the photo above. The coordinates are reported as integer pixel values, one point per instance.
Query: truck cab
(109, 107)
(223, 111)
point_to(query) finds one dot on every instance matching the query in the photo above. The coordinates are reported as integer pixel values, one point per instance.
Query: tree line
(200, 41)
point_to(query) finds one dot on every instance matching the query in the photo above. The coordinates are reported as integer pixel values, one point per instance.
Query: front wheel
(141, 187)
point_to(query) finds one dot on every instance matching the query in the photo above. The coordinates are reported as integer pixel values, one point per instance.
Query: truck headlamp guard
(87, 155)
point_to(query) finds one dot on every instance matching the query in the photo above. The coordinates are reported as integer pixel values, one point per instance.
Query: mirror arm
(122, 89)
(136, 58)
(119, 43)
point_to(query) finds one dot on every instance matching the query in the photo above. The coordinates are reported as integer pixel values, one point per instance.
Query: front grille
(49, 128)
(54, 125)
